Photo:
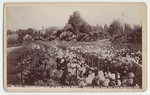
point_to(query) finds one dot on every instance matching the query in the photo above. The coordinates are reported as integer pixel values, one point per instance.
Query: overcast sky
(23, 17)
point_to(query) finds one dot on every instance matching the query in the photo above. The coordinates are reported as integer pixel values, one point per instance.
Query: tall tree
(105, 28)
(115, 29)
(137, 33)
(128, 32)
(21, 33)
(79, 26)
(75, 21)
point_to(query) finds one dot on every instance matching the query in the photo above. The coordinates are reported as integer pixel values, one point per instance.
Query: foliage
(106, 28)
(137, 33)
(10, 32)
(75, 21)
(12, 39)
(51, 32)
(115, 29)
(77, 29)
(79, 26)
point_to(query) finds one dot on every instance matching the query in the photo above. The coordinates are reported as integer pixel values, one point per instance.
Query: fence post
(116, 78)
(21, 82)
(92, 60)
(87, 60)
(98, 63)
(76, 75)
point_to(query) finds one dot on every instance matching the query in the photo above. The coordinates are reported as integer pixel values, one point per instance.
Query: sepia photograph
(75, 46)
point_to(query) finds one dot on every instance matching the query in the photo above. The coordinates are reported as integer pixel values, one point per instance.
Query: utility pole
(42, 27)
(123, 26)
(123, 22)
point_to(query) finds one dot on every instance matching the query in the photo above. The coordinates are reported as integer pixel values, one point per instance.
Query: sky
(38, 16)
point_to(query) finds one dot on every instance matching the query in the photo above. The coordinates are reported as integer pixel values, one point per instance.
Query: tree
(27, 40)
(51, 31)
(115, 29)
(133, 35)
(68, 27)
(21, 33)
(75, 21)
(85, 27)
(30, 32)
(98, 32)
(12, 39)
(79, 26)
(105, 28)
(9, 32)
(137, 33)
(128, 33)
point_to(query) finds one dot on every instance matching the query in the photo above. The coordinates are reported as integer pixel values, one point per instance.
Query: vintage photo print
(75, 47)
